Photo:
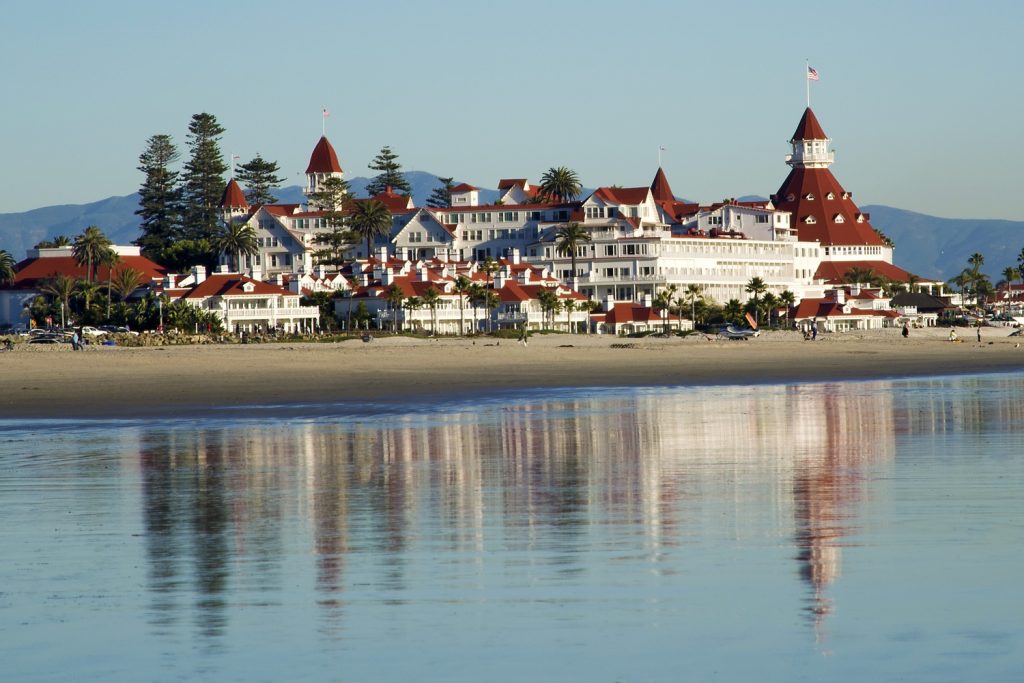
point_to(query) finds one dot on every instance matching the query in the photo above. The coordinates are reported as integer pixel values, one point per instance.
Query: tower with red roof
(323, 164)
(233, 203)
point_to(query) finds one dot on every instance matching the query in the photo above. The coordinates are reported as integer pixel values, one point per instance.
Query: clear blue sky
(923, 100)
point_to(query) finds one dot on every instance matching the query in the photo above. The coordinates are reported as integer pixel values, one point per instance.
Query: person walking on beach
(814, 330)
(524, 336)
(906, 330)
(75, 344)
(979, 334)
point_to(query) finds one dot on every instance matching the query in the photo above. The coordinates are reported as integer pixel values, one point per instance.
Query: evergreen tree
(390, 174)
(441, 197)
(203, 179)
(259, 177)
(159, 196)
(333, 199)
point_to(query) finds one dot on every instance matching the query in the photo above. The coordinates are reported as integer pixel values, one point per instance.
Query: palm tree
(395, 297)
(6, 267)
(569, 305)
(568, 238)
(491, 267)
(589, 306)
(1009, 274)
(87, 291)
(236, 240)
(756, 286)
(912, 281)
(549, 304)
(770, 303)
(125, 282)
(732, 311)
(560, 182)
(413, 303)
(491, 301)
(370, 220)
(694, 292)
(462, 287)
(89, 248)
(431, 298)
(476, 298)
(663, 304)
(787, 299)
(109, 258)
(858, 275)
(61, 288)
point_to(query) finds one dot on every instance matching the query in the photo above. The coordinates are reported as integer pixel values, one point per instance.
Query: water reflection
(382, 505)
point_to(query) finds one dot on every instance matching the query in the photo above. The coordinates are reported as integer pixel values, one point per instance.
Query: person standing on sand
(906, 330)
(524, 336)
(814, 330)
(74, 341)
(979, 334)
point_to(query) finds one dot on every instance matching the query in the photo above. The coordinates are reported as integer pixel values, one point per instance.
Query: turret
(323, 164)
(810, 144)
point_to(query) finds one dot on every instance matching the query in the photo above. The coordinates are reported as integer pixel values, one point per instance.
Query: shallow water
(850, 531)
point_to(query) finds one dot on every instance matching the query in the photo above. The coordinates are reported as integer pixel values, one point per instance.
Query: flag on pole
(812, 75)
(326, 113)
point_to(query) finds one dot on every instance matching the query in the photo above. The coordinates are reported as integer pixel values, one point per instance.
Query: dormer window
(860, 218)
(838, 218)
(846, 195)
(790, 197)
(810, 220)
(809, 196)
(830, 195)
(248, 287)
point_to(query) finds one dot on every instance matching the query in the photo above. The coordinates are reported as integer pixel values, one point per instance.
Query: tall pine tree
(334, 198)
(159, 196)
(259, 177)
(441, 197)
(390, 174)
(203, 178)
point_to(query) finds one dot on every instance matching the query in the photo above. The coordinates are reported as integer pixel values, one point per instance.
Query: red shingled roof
(323, 159)
(623, 195)
(230, 284)
(809, 128)
(630, 312)
(828, 308)
(31, 272)
(660, 188)
(233, 197)
(818, 183)
(395, 203)
(506, 183)
(464, 187)
(833, 272)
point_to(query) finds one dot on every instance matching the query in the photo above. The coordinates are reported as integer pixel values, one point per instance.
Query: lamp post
(160, 308)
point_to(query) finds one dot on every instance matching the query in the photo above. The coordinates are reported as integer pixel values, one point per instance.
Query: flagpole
(660, 148)
(323, 121)
(807, 71)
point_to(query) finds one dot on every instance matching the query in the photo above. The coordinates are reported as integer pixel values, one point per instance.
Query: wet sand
(55, 382)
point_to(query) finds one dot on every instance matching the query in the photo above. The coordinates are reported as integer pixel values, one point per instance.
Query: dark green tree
(7, 264)
(389, 174)
(371, 220)
(441, 197)
(58, 241)
(90, 248)
(159, 196)
(259, 177)
(334, 199)
(568, 240)
(560, 183)
(203, 179)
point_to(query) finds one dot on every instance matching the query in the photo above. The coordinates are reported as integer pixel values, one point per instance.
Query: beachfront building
(42, 265)
(243, 303)
(627, 317)
(845, 309)
(425, 294)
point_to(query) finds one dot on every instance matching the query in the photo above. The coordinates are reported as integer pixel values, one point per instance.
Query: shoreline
(174, 381)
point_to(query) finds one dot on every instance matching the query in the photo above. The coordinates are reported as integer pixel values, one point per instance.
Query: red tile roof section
(623, 195)
(230, 284)
(833, 272)
(323, 159)
(31, 272)
(464, 187)
(819, 182)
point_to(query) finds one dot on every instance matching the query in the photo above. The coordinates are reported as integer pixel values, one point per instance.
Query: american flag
(326, 113)
(812, 75)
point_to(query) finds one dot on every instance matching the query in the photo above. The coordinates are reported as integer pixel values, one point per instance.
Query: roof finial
(234, 157)
(661, 148)
(323, 123)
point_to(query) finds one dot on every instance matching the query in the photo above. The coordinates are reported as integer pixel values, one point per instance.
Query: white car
(89, 331)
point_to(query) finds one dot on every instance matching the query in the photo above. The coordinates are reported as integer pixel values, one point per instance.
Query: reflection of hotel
(668, 467)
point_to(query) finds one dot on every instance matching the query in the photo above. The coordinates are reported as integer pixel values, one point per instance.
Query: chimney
(279, 279)
(320, 271)
(524, 276)
(442, 255)
(647, 300)
(257, 274)
(387, 277)
(424, 274)
(382, 253)
(402, 253)
(839, 294)
(609, 303)
(169, 280)
(499, 279)
(514, 256)
(223, 268)
(199, 274)
(855, 289)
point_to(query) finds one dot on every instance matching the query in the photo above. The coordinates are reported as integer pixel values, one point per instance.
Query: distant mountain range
(926, 245)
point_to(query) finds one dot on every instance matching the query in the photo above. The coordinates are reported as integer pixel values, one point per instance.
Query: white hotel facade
(643, 239)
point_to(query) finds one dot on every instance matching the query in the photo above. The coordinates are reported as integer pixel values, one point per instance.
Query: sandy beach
(55, 382)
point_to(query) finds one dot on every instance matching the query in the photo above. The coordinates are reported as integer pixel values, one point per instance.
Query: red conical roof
(814, 193)
(660, 189)
(809, 128)
(233, 197)
(323, 159)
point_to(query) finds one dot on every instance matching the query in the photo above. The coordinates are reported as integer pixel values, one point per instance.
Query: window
(830, 195)
(273, 260)
(761, 218)
(810, 220)
(609, 250)
(809, 195)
